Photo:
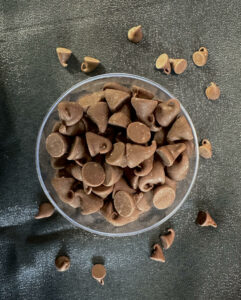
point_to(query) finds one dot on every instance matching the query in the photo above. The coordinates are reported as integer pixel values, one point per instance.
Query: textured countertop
(203, 263)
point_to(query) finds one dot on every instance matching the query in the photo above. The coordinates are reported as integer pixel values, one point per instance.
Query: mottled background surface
(204, 263)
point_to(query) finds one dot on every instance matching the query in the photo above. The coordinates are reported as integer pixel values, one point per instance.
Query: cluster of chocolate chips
(119, 151)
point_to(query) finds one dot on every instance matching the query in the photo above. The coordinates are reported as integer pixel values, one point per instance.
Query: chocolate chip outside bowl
(96, 223)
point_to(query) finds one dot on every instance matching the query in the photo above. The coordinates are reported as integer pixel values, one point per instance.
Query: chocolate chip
(131, 177)
(204, 219)
(115, 99)
(56, 126)
(73, 130)
(138, 133)
(144, 167)
(157, 175)
(89, 64)
(78, 149)
(62, 263)
(143, 201)
(178, 65)
(118, 155)
(124, 203)
(56, 144)
(70, 112)
(144, 110)
(116, 86)
(98, 113)
(102, 191)
(178, 171)
(89, 204)
(76, 171)
(200, 57)
(93, 174)
(157, 253)
(205, 150)
(122, 118)
(45, 210)
(159, 137)
(168, 239)
(170, 182)
(180, 130)
(212, 91)
(167, 111)
(62, 186)
(136, 154)
(97, 144)
(135, 34)
(112, 174)
(90, 99)
(122, 185)
(63, 56)
(163, 196)
(58, 163)
(99, 273)
(190, 148)
(163, 63)
(169, 153)
(140, 92)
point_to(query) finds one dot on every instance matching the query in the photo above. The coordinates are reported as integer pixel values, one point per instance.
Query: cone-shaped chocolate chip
(115, 98)
(143, 201)
(90, 99)
(56, 126)
(204, 219)
(139, 92)
(58, 163)
(169, 153)
(122, 185)
(124, 203)
(98, 113)
(121, 118)
(62, 263)
(116, 86)
(145, 167)
(63, 56)
(163, 196)
(178, 171)
(117, 157)
(97, 144)
(190, 148)
(168, 239)
(135, 34)
(178, 65)
(136, 154)
(102, 191)
(159, 137)
(163, 63)
(89, 204)
(144, 110)
(76, 171)
(167, 111)
(83, 160)
(112, 174)
(99, 273)
(56, 144)
(93, 174)
(89, 64)
(138, 132)
(180, 130)
(70, 112)
(157, 253)
(78, 149)
(157, 175)
(114, 218)
(45, 210)
(87, 189)
(200, 57)
(63, 186)
(170, 182)
(205, 150)
(73, 130)
(131, 177)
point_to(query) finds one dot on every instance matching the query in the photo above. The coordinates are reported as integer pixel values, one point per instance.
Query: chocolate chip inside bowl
(119, 152)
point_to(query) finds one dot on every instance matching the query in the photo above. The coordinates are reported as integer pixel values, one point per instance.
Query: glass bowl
(96, 223)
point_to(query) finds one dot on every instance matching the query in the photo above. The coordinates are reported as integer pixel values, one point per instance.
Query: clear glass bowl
(96, 223)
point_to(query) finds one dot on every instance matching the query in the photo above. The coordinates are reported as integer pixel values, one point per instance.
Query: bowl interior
(96, 223)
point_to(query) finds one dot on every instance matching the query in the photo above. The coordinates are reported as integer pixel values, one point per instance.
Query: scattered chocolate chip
(180, 130)
(178, 65)
(124, 203)
(157, 253)
(90, 99)
(93, 174)
(56, 144)
(62, 263)
(200, 57)
(89, 64)
(139, 92)
(205, 150)
(89, 204)
(168, 239)
(98, 113)
(63, 56)
(118, 155)
(163, 196)
(45, 210)
(169, 153)
(70, 112)
(163, 63)
(204, 219)
(178, 171)
(167, 111)
(115, 98)
(138, 133)
(135, 34)
(212, 91)
(122, 118)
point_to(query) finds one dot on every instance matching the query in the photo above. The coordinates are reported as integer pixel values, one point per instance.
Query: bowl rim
(79, 84)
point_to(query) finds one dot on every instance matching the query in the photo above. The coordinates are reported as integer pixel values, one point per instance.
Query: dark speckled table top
(203, 263)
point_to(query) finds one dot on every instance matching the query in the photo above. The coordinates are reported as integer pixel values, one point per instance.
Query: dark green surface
(204, 263)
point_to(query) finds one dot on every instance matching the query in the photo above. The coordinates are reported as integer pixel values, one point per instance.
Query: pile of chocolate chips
(119, 151)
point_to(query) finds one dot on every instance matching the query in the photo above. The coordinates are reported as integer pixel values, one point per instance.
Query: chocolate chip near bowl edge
(119, 152)
(46, 210)
(204, 219)
(157, 253)
(89, 64)
(168, 239)
(62, 263)
(98, 273)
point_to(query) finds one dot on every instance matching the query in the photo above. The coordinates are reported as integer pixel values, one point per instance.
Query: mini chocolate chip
(45, 210)
(62, 263)
(200, 57)
(168, 239)
(157, 253)
(204, 219)
(163, 63)
(212, 91)
(135, 34)
(63, 56)
(89, 64)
